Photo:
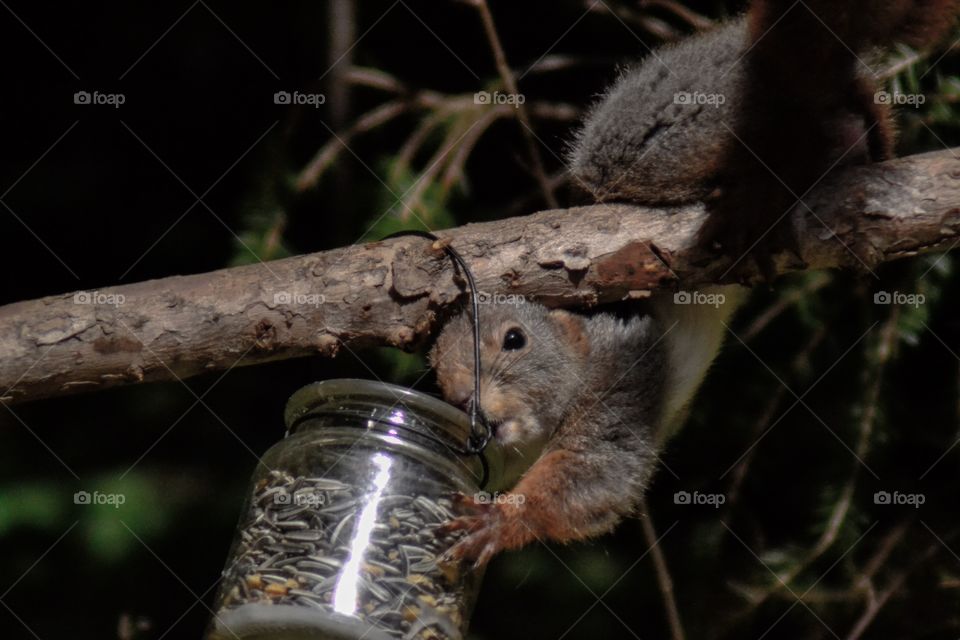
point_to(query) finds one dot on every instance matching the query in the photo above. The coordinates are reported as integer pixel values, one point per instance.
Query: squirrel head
(532, 364)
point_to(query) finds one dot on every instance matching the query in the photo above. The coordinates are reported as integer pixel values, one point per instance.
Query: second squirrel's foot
(491, 528)
(750, 248)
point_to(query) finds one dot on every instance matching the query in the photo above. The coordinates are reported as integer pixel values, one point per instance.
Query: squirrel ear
(573, 328)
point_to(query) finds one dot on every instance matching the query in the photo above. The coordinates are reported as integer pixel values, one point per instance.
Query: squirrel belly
(695, 326)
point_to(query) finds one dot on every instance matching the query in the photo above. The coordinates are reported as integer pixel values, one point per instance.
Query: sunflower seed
(299, 534)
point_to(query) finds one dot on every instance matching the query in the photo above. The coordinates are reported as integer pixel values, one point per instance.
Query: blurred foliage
(39, 506)
(821, 371)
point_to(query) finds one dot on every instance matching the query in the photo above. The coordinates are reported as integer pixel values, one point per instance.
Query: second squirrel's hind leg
(877, 119)
(749, 220)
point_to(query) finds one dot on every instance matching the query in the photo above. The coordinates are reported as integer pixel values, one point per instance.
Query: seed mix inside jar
(343, 534)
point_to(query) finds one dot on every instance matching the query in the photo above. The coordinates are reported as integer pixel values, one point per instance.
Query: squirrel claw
(486, 535)
(463, 523)
(479, 546)
(475, 515)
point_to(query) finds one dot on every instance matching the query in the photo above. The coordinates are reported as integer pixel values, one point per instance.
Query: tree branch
(394, 292)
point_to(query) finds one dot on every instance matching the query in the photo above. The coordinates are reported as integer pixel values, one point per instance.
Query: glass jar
(339, 536)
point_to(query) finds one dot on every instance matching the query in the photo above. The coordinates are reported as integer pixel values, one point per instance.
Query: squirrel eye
(514, 339)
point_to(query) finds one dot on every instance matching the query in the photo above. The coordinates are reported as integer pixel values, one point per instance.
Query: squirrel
(580, 405)
(749, 116)
(746, 117)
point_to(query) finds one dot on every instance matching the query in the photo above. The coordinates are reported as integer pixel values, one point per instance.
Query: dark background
(97, 196)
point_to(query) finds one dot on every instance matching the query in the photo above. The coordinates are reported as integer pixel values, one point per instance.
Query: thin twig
(442, 105)
(374, 78)
(902, 65)
(510, 83)
(274, 236)
(553, 62)
(427, 99)
(740, 472)
(884, 549)
(379, 79)
(328, 152)
(664, 581)
(691, 17)
(814, 284)
(656, 27)
(341, 16)
(416, 140)
(454, 170)
(412, 198)
(894, 585)
(820, 595)
(913, 58)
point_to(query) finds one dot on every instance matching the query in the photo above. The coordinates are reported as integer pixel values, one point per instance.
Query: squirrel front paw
(490, 528)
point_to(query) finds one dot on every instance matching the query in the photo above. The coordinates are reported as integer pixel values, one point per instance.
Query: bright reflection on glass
(345, 597)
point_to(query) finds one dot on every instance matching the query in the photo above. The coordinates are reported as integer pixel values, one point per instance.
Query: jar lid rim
(452, 420)
(309, 396)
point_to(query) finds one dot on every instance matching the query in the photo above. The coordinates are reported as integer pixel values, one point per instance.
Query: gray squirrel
(745, 117)
(580, 404)
(751, 114)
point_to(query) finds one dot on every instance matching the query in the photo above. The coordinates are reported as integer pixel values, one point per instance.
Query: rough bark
(393, 292)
